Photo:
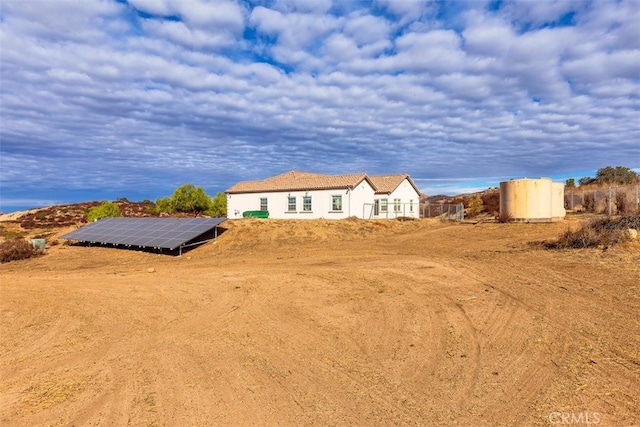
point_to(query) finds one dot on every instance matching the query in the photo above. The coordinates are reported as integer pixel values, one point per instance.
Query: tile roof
(386, 184)
(298, 181)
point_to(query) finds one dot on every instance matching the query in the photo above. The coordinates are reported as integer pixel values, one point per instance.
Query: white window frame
(291, 207)
(397, 204)
(264, 204)
(384, 205)
(306, 204)
(336, 207)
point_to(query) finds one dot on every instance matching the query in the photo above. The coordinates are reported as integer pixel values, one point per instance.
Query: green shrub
(104, 210)
(475, 206)
(218, 206)
(191, 199)
(164, 205)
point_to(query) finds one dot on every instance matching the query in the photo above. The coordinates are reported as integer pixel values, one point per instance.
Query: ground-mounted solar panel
(159, 233)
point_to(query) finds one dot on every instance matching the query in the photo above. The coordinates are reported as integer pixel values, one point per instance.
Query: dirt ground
(368, 323)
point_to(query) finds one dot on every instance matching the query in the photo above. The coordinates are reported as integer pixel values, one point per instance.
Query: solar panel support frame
(215, 237)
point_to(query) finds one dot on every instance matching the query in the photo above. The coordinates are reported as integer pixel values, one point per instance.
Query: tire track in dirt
(490, 317)
(448, 334)
(355, 374)
(561, 336)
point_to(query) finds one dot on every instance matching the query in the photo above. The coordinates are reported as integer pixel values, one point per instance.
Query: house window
(291, 205)
(336, 203)
(396, 205)
(263, 204)
(411, 205)
(384, 205)
(306, 203)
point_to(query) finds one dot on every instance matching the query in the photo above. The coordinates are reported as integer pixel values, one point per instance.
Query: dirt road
(326, 323)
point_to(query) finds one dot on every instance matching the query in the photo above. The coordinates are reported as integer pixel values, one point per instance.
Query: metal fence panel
(617, 199)
(445, 211)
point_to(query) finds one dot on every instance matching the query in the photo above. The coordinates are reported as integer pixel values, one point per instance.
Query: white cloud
(537, 13)
(490, 37)
(223, 13)
(303, 6)
(154, 7)
(340, 48)
(294, 30)
(182, 34)
(436, 51)
(407, 10)
(59, 20)
(624, 64)
(367, 29)
(162, 98)
(200, 13)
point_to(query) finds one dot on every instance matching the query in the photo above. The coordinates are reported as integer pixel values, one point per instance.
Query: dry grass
(505, 217)
(16, 249)
(599, 232)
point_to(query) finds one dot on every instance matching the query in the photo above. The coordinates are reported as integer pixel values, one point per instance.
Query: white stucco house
(305, 195)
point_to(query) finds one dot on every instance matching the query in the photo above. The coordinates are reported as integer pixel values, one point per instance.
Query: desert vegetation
(191, 199)
(16, 249)
(607, 176)
(599, 233)
(104, 210)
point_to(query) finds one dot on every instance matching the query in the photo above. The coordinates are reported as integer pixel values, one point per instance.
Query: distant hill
(75, 213)
(490, 201)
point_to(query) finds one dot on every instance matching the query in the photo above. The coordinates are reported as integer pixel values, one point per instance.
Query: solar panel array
(166, 233)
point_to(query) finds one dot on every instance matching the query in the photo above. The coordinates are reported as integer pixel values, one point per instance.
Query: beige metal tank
(557, 201)
(527, 199)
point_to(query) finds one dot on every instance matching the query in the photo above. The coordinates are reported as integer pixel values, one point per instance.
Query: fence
(452, 212)
(613, 200)
(392, 210)
(443, 211)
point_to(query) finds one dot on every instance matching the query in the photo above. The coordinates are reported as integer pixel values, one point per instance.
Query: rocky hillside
(490, 200)
(71, 214)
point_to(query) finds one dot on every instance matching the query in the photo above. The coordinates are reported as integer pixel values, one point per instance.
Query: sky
(107, 99)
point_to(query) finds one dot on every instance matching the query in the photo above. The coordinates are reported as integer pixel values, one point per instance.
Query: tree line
(191, 199)
(607, 176)
(187, 198)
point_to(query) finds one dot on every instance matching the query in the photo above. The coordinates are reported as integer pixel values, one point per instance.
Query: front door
(376, 207)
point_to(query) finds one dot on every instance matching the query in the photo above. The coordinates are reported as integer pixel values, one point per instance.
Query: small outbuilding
(532, 200)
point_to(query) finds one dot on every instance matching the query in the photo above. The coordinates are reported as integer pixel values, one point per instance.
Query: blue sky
(108, 99)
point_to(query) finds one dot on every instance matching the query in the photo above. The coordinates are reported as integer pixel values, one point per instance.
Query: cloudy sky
(132, 98)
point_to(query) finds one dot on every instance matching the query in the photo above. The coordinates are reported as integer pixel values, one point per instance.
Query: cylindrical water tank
(558, 210)
(526, 199)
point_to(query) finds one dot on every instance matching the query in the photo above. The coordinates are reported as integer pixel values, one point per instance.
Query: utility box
(39, 244)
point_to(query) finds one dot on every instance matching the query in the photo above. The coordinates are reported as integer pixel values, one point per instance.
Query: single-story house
(299, 195)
